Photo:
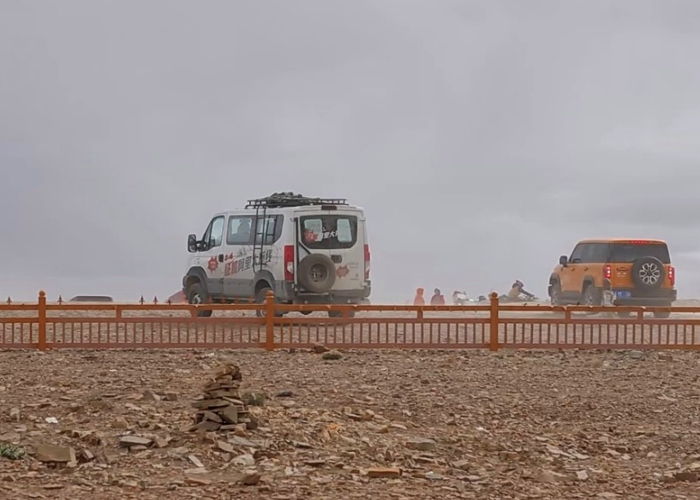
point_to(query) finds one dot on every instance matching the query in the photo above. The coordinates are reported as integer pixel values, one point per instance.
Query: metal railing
(493, 326)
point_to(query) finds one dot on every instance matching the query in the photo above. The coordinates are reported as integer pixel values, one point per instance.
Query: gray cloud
(483, 138)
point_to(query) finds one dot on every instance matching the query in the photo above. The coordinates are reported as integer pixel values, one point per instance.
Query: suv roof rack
(279, 200)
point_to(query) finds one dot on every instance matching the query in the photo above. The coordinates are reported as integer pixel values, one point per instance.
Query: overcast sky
(482, 138)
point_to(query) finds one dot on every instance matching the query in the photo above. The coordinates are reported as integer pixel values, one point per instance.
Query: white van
(306, 250)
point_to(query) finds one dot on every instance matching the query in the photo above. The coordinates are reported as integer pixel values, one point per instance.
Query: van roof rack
(279, 200)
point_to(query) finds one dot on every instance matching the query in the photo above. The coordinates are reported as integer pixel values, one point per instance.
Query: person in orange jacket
(438, 299)
(419, 300)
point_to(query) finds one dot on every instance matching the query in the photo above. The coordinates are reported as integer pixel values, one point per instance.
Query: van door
(238, 257)
(340, 234)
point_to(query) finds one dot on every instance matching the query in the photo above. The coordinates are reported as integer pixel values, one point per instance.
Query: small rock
(170, 396)
(384, 472)
(320, 349)
(14, 414)
(151, 396)
(285, 394)
(421, 444)
(197, 481)
(224, 446)
(48, 453)
(250, 478)
(582, 475)
(686, 476)
(664, 356)
(331, 356)
(636, 355)
(120, 423)
(195, 461)
(461, 464)
(547, 476)
(245, 460)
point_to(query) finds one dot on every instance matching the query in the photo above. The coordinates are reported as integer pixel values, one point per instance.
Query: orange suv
(637, 272)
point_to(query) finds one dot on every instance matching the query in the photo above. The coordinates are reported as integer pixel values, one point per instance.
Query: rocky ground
(393, 425)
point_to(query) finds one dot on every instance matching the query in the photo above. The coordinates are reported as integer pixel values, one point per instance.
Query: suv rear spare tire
(647, 273)
(316, 273)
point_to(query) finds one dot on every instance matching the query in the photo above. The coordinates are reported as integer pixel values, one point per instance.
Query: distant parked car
(92, 298)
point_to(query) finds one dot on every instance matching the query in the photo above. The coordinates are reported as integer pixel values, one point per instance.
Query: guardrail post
(270, 321)
(493, 324)
(41, 315)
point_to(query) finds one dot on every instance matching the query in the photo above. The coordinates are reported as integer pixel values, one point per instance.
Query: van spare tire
(647, 273)
(316, 273)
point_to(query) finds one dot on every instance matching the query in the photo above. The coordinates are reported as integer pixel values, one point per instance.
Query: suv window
(595, 253)
(270, 227)
(214, 234)
(577, 254)
(629, 252)
(239, 230)
(321, 232)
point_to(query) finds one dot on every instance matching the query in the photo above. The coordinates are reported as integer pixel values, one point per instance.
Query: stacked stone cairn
(220, 408)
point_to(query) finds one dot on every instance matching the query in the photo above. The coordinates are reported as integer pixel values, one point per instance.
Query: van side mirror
(192, 245)
(563, 260)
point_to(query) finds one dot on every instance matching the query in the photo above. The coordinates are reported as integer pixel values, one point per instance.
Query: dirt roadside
(431, 424)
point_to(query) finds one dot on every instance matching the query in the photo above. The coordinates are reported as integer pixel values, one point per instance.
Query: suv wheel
(591, 296)
(555, 294)
(197, 295)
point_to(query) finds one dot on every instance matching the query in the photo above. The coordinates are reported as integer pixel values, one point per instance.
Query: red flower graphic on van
(213, 264)
(342, 271)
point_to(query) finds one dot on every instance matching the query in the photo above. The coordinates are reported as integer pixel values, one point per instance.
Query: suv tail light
(672, 275)
(289, 262)
(367, 259)
(607, 272)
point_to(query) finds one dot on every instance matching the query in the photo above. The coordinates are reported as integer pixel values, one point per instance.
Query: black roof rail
(280, 200)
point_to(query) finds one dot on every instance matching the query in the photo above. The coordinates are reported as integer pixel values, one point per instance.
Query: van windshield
(629, 252)
(329, 232)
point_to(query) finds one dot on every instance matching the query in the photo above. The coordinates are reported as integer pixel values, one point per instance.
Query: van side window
(239, 230)
(214, 234)
(268, 230)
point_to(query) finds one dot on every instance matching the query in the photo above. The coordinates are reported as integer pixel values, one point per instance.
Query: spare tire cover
(647, 273)
(316, 273)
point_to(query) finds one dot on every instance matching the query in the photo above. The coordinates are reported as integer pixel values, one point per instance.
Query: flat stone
(239, 441)
(229, 414)
(421, 444)
(384, 472)
(209, 415)
(205, 404)
(195, 461)
(206, 426)
(224, 446)
(48, 453)
(130, 441)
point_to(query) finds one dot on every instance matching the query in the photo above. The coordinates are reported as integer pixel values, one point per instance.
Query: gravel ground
(458, 424)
